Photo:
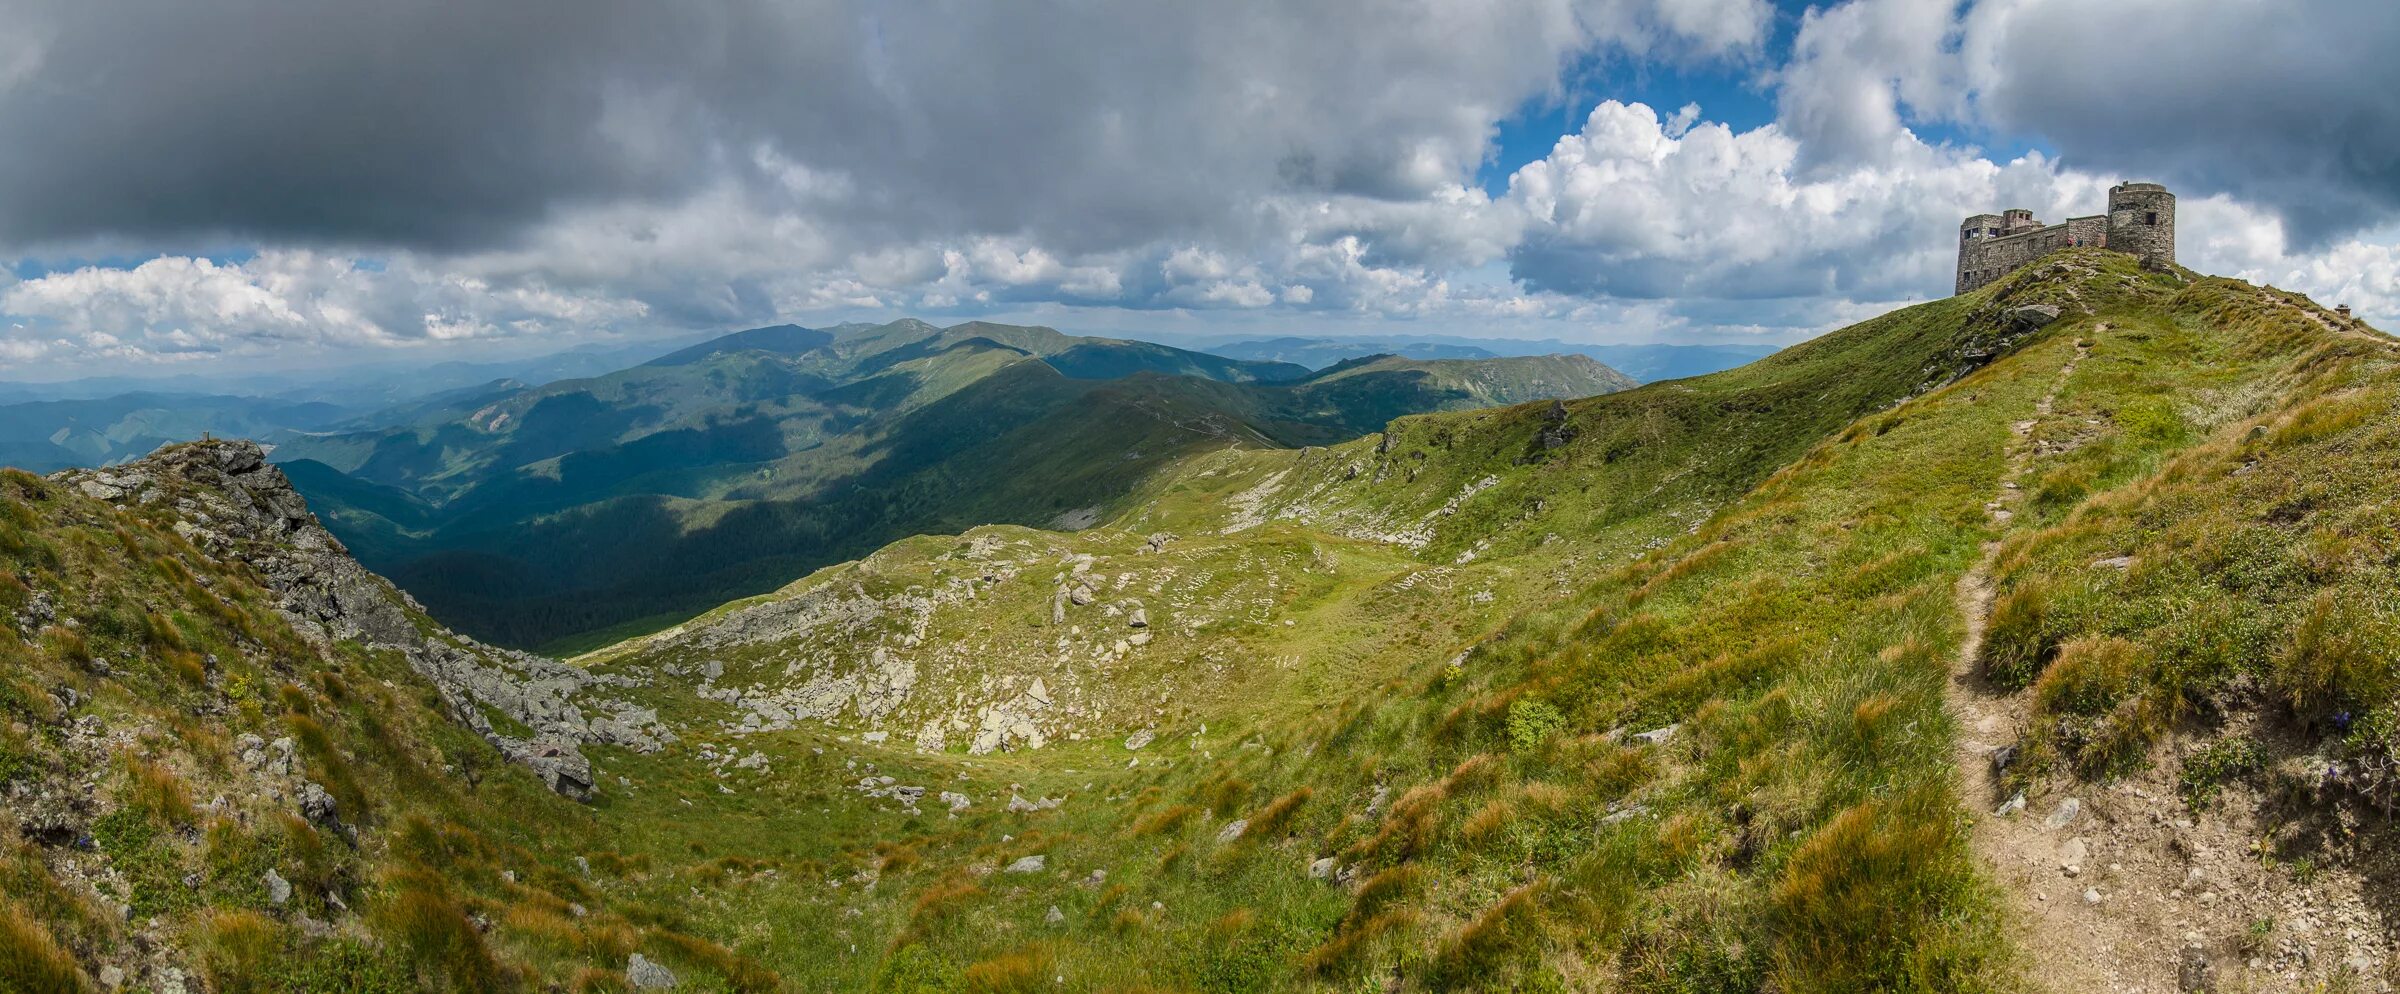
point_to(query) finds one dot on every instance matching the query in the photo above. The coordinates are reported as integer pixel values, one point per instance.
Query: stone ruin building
(2140, 221)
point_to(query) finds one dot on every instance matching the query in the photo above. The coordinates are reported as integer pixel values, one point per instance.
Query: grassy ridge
(1783, 600)
(139, 838)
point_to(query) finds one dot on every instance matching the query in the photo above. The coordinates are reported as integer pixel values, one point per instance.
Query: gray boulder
(2027, 317)
(646, 975)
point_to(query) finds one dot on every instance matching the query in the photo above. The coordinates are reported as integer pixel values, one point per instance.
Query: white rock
(2065, 815)
(643, 974)
(1658, 736)
(1029, 864)
(1233, 829)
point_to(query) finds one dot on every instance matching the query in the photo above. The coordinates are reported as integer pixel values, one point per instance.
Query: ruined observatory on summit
(2140, 221)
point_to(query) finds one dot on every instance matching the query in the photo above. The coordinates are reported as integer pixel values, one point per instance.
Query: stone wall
(2087, 231)
(1982, 260)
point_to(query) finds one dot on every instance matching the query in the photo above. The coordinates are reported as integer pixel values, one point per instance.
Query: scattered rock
(1139, 739)
(316, 805)
(1029, 864)
(1621, 814)
(2191, 973)
(2003, 758)
(2065, 815)
(279, 890)
(956, 801)
(1055, 916)
(1140, 618)
(1233, 830)
(646, 975)
(1321, 869)
(1658, 736)
(2011, 806)
(2027, 317)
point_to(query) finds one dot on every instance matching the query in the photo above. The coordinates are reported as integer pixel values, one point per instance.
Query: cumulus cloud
(1855, 67)
(1624, 208)
(178, 306)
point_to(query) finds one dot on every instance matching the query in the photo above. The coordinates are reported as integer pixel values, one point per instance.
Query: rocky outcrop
(229, 502)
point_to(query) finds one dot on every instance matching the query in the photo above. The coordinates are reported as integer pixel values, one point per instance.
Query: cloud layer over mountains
(248, 176)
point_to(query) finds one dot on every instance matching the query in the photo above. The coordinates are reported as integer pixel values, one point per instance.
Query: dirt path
(2118, 887)
(2025, 852)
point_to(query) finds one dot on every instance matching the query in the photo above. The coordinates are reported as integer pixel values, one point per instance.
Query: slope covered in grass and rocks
(233, 760)
(2030, 639)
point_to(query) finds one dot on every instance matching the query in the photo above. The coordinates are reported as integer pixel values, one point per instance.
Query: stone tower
(2141, 221)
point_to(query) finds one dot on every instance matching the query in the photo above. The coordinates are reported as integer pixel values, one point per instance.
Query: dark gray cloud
(450, 125)
(2292, 105)
(436, 124)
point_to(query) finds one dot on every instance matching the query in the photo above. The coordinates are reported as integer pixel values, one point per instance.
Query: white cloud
(1626, 209)
(1855, 67)
(181, 307)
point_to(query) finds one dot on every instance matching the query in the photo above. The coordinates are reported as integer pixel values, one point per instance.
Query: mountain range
(563, 514)
(46, 435)
(1644, 363)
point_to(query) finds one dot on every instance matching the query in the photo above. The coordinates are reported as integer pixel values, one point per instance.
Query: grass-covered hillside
(1648, 692)
(2028, 640)
(558, 514)
(210, 781)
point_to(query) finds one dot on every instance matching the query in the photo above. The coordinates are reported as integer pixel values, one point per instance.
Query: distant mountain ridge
(1645, 363)
(729, 467)
(47, 435)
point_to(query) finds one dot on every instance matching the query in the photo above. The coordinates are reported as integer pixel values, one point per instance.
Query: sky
(253, 183)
